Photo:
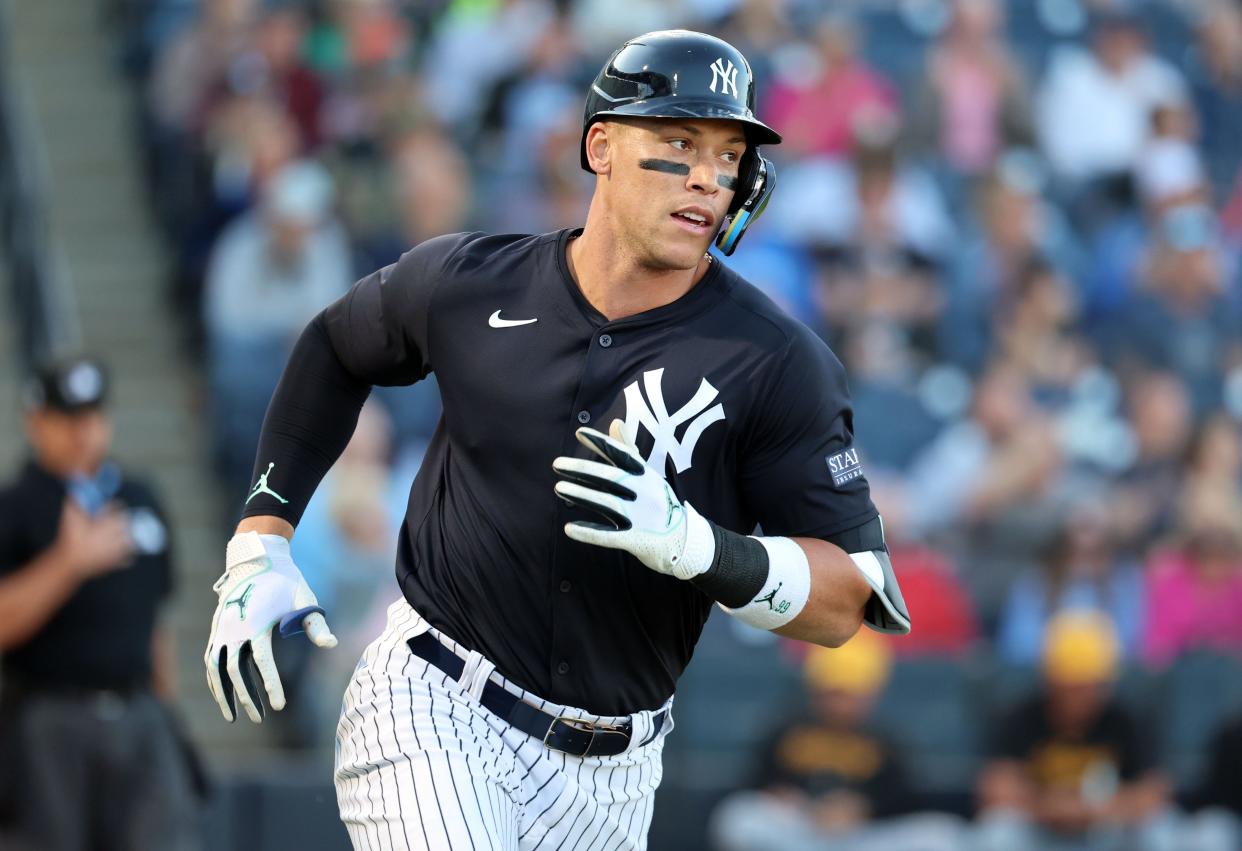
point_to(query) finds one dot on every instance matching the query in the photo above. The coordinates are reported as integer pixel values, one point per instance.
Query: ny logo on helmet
(726, 75)
(662, 426)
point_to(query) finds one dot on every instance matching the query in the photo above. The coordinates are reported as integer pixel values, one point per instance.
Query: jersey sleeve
(800, 472)
(379, 329)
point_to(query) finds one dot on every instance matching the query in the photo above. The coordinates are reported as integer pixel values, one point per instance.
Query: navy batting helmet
(684, 74)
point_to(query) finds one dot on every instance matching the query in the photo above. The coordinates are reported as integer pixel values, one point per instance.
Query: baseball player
(521, 692)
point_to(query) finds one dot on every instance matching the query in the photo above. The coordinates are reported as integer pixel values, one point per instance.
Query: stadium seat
(1195, 696)
(930, 706)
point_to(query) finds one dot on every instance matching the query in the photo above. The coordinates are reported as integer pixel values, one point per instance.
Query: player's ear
(601, 142)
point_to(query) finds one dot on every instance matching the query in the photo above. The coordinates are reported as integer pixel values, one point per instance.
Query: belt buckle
(582, 726)
(574, 723)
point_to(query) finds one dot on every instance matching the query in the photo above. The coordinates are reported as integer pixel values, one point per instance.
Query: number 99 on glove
(261, 591)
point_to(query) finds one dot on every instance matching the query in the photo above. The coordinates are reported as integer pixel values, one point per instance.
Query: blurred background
(1017, 223)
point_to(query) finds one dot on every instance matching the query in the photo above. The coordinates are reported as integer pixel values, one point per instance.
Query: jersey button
(605, 340)
(562, 668)
(566, 585)
(584, 417)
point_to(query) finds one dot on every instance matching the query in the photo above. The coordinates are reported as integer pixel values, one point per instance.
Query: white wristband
(786, 590)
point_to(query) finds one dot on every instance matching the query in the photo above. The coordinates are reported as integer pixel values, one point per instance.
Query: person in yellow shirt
(828, 779)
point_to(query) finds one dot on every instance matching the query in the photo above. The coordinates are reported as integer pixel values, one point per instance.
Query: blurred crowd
(1018, 224)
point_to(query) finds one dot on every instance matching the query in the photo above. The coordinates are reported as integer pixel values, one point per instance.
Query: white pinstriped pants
(420, 764)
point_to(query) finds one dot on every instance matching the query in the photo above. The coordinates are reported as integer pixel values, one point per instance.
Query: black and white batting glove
(645, 518)
(261, 590)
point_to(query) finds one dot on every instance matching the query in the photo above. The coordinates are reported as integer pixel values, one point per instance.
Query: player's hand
(646, 519)
(261, 589)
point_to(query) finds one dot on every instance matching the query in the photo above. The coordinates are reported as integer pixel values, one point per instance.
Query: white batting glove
(261, 589)
(646, 518)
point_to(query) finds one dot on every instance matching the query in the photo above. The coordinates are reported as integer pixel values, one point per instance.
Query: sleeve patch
(844, 466)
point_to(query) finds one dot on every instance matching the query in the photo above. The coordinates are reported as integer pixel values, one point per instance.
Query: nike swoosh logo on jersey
(496, 322)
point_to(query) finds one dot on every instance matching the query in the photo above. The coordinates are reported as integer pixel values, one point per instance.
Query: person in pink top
(1194, 592)
(974, 101)
(817, 112)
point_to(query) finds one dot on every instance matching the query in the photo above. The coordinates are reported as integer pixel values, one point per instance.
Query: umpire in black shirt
(88, 755)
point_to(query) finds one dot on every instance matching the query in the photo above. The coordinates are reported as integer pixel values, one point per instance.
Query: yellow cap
(1080, 647)
(860, 666)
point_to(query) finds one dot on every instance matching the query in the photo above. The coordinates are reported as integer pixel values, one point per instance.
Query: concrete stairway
(101, 225)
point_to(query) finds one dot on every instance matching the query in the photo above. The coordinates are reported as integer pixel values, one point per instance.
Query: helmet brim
(757, 133)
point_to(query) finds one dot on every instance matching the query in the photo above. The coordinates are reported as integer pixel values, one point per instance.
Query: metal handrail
(39, 286)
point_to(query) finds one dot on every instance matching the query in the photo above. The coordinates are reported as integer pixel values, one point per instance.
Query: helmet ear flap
(755, 182)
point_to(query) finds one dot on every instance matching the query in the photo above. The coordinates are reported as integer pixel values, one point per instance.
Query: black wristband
(739, 569)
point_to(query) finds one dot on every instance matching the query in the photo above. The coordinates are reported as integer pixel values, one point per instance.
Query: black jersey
(744, 409)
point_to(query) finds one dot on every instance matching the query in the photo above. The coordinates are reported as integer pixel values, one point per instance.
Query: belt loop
(474, 675)
(641, 733)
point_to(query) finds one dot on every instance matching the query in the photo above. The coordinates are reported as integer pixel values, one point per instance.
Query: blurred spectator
(1037, 333)
(90, 756)
(421, 189)
(1219, 797)
(541, 184)
(1194, 590)
(277, 266)
(248, 140)
(1082, 570)
(1070, 768)
(1215, 456)
(273, 68)
(272, 270)
(892, 420)
(186, 70)
(356, 38)
(818, 102)
(1111, 89)
(829, 781)
(994, 479)
(761, 29)
(1215, 71)
(948, 626)
(1160, 418)
(601, 25)
(196, 60)
(1014, 230)
(872, 203)
(457, 74)
(974, 101)
(876, 237)
(1169, 171)
(1182, 320)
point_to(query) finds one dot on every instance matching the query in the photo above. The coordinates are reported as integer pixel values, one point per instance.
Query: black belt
(568, 735)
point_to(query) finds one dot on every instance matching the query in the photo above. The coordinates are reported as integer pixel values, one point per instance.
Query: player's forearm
(31, 595)
(309, 421)
(834, 609)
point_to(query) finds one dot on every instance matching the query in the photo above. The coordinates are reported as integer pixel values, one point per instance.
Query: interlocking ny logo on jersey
(662, 426)
(726, 75)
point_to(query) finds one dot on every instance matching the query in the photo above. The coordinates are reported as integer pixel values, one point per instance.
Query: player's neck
(617, 285)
